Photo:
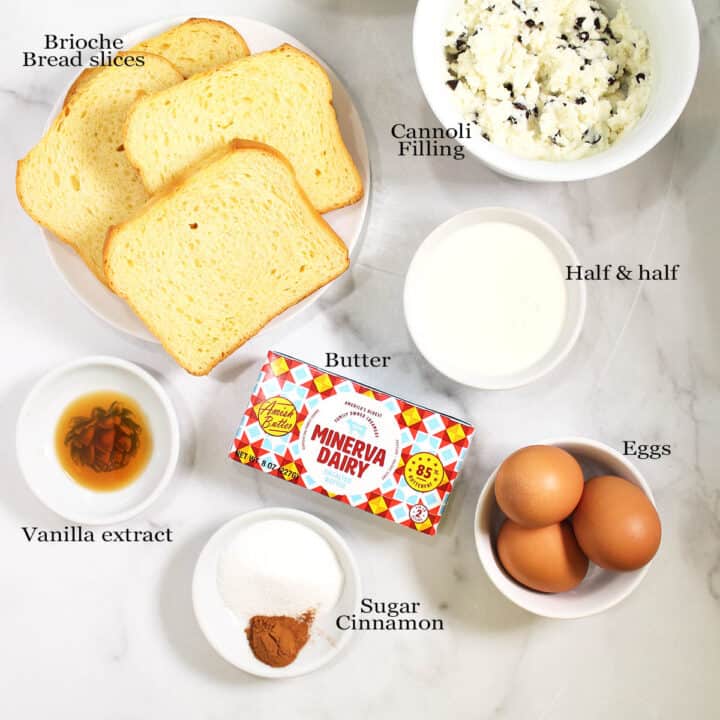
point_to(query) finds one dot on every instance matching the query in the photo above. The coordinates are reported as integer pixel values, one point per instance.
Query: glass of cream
(487, 302)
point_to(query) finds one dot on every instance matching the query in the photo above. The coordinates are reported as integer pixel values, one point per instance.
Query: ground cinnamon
(276, 640)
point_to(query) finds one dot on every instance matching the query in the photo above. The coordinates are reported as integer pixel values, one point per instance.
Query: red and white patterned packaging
(352, 443)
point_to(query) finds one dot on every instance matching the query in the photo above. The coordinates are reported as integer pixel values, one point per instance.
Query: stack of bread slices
(192, 183)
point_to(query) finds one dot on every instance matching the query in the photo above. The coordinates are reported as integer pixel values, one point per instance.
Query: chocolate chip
(193, 226)
(584, 36)
(516, 4)
(564, 37)
(591, 137)
(535, 110)
(597, 23)
(519, 39)
(580, 101)
(520, 106)
(611, 80)
(452, 84)
(486, 136)
(579, 22)
(640, 77)
(509, 87)
(512, 120)
(530, 23)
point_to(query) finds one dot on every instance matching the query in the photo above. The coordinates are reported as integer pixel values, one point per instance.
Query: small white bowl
(35, 440)
(672, 29)
(576, 297)
(226, 633)
(601, 589)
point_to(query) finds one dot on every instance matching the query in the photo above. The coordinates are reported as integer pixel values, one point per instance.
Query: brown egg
(539, 485)
(546, 559)
(616, 524)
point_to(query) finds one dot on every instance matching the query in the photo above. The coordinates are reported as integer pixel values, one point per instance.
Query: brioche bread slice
(213, 258)
(77, 181)
(281, 97)
(197, 45)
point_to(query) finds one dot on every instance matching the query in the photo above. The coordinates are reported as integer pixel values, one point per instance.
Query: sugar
(279, 567)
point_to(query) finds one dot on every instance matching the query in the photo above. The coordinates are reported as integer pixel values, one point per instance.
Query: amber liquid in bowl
(103, 440)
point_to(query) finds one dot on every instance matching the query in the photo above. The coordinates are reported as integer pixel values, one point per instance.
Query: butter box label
(352, 443)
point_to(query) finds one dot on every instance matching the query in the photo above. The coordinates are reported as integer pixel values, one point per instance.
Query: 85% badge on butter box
(352, 443)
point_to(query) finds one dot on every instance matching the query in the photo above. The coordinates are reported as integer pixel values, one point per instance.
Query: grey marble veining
(100, 631)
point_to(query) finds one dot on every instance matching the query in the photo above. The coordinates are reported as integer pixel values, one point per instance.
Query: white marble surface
(94, 631)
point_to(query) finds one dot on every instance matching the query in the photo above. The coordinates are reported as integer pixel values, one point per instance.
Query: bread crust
(198, 21)
(84, 256)
(195, 78)
(84, 75)
(74, 92)
(70, 98)
(213, 21)
(175, 186)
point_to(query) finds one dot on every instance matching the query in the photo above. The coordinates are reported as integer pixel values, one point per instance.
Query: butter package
(352, 443)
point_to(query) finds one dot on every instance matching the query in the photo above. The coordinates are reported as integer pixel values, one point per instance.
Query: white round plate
(226, 633)
(35, 440)
(348, 222)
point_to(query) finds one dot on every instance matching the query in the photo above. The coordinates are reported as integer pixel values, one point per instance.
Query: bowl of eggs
(566, 528)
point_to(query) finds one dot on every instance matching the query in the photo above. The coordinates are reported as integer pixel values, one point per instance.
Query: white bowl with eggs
(600, 589)
(486, 301)
(672, 30)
